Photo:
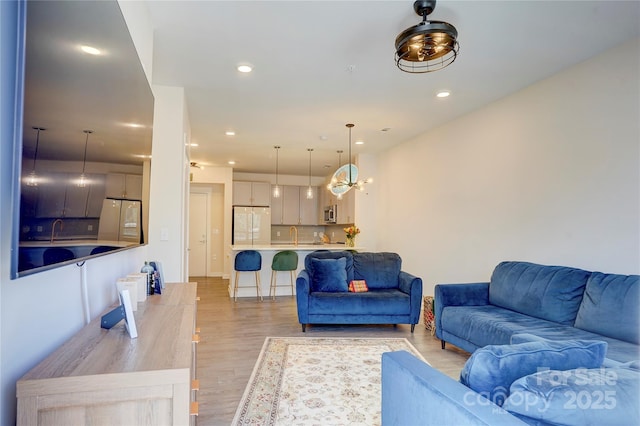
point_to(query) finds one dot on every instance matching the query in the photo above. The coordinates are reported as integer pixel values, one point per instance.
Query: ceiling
(321, 64)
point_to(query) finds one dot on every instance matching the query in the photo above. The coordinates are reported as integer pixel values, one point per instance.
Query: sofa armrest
(412, 285)
(414, 393)
(469, 294)
(303, 288)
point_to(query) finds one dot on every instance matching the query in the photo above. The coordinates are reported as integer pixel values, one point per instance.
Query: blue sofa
(414, 393)
(550, 302)
(394, 296)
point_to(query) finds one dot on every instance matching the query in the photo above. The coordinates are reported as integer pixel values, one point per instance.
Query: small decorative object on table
(351, 232)
(428, 316)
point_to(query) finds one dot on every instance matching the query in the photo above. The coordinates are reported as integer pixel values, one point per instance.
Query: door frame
(207, 192)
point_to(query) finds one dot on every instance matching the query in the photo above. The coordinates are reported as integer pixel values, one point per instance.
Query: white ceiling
(322, 64)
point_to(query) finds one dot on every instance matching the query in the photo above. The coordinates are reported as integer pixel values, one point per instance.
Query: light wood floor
(232, 334)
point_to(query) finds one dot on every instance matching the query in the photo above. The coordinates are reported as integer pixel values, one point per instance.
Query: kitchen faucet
(294, 230)
(53, 227)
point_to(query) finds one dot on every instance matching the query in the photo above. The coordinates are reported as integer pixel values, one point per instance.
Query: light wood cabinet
(102, 377)
(251, 193)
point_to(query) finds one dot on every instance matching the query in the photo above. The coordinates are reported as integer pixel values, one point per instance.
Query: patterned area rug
(326, 381)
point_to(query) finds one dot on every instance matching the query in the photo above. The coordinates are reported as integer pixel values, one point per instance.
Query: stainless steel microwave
(331, 213)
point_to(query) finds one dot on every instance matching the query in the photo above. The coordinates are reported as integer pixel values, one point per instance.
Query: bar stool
(248, 261)
(286, 260)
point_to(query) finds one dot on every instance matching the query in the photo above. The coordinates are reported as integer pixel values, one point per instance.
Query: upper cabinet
(346, 207)
(251, 193)
(120, 185)
(60, 196)
(293, 207)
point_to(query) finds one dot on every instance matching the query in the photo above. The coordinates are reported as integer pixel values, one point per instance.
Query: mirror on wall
(87, 121)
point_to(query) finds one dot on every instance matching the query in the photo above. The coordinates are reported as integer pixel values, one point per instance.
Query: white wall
(169, 183)
(548, 175)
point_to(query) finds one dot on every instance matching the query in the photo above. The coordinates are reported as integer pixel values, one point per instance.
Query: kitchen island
(247, 284)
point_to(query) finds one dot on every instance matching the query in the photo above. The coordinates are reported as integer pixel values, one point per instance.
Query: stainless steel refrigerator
(120, 220)
(251, 225)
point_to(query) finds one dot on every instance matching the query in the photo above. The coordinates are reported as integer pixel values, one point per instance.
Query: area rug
(324, 381)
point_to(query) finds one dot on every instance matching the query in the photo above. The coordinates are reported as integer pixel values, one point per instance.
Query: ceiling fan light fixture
(428, 46)
(346, 177)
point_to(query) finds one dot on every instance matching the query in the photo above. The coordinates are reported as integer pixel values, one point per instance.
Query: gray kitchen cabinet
(276, 208)
(251, 193)
(296, 208)
(290, 205)
(308, 207)
(120, 185)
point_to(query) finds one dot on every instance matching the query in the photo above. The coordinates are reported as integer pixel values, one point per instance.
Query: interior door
(198, 213)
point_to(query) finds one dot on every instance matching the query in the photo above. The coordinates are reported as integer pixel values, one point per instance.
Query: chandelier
(346, 177)
(428, 46)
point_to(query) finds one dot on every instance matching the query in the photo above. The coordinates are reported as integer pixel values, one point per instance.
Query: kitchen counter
(289, 246)
(267, 251)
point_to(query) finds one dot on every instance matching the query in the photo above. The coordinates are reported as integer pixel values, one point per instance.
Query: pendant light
(32, 179)
(310, 189)
(346, 177)
(428, 46)
(83, 179)
(339, 196)
(276, 188)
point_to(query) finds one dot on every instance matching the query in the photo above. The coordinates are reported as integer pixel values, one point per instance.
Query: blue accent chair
(248, 261)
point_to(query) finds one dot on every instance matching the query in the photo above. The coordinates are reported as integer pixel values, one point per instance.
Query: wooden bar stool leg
(258, 286)
(235, 288)
(292, 281)
(272, 286)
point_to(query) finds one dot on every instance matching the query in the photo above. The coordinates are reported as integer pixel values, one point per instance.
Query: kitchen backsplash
(308, 234)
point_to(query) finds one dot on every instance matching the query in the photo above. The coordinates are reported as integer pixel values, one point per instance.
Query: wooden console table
(102, 377)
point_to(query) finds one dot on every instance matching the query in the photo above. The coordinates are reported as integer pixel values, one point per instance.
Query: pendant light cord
(86, 142)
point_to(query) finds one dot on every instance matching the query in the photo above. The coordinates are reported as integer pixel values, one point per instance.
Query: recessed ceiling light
(231, 162)
(90, 50)
(245, 68)
(230, 133)
(193, 144)
(359, 142)
(443, 94)
(134, 125)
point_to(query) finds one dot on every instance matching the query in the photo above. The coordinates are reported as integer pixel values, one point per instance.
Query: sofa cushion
(553, 293)
(602, 396)
(380, 270)
(611, 300)
(326, 254)
(491, 370)
(329, 275)
(373, 302)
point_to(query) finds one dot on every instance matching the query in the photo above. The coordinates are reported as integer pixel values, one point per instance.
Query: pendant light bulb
(310, 189)
(276, 188)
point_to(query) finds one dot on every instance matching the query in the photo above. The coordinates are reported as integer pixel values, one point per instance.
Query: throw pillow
(491, 370)
(601, 396)
(358, 286)
(329, 275)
